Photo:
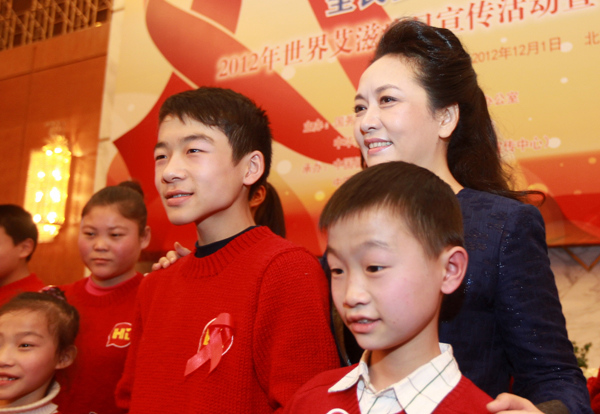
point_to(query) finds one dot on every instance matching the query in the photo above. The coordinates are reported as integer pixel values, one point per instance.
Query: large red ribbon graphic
(215, 341)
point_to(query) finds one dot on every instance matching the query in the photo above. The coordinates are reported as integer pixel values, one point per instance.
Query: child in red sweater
(243, 322)
(113, 232)
(37, 332)
(394, 249)
(18, 239)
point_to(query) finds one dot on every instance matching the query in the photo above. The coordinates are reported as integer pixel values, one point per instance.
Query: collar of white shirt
(420, 392)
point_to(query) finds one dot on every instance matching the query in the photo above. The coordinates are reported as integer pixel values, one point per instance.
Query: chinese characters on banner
(301, 61)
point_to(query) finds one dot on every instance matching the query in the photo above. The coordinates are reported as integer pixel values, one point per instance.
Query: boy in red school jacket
(18, 240)
(242, 323)
(394, 249)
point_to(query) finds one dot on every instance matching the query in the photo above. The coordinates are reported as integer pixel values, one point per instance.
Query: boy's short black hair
(425, 203)
(238, 117)
(18, 224)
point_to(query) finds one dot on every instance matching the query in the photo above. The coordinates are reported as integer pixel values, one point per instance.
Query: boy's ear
(67, 357)
(448, 117)
(255, 167)
(145, 238)
(26, 248)
(455, 266)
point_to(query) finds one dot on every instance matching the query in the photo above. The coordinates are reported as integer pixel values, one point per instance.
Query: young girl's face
(110, 245)
(28, 357)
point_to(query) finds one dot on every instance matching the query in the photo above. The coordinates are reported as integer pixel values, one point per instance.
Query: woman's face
(393, 119)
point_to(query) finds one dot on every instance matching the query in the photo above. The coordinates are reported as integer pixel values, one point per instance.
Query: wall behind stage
(301, 60)
(56, 84)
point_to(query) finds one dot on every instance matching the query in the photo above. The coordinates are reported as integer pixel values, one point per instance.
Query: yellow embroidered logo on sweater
(120, 335)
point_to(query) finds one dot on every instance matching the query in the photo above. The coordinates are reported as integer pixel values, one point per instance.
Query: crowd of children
(242, 324)
(113, 232)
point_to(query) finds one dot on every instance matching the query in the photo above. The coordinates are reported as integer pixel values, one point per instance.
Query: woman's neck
(444, 173)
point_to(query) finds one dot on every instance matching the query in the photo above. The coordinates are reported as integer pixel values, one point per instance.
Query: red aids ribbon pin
(216, 340)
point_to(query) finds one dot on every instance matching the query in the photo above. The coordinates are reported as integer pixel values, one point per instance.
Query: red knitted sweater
(277, 297)
(313, 397)
(30, 283)
(593, 385)
(102, 343)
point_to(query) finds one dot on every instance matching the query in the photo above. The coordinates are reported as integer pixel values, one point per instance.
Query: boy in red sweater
(242, 323)
(394, 249)
(18, 239)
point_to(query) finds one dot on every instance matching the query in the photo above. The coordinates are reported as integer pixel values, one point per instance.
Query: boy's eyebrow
(185, 140)
(376, 243)
(28, 333)
(365, 245)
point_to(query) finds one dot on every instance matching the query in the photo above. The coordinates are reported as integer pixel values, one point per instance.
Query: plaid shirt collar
(420, 392)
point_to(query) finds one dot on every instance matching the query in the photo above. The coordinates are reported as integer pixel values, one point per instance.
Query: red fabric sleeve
(594, 388)
(292, 314)
(125, 385)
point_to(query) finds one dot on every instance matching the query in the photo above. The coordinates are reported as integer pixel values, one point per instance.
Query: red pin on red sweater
(215, 341)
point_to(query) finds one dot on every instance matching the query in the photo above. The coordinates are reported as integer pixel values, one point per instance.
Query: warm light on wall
(47, 186)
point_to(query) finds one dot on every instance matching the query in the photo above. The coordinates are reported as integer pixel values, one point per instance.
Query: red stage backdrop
(301, 61)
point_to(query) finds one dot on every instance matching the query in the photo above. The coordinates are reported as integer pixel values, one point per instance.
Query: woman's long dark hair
(444, 69)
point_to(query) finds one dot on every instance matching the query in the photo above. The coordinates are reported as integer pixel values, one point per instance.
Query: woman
(419, 102)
